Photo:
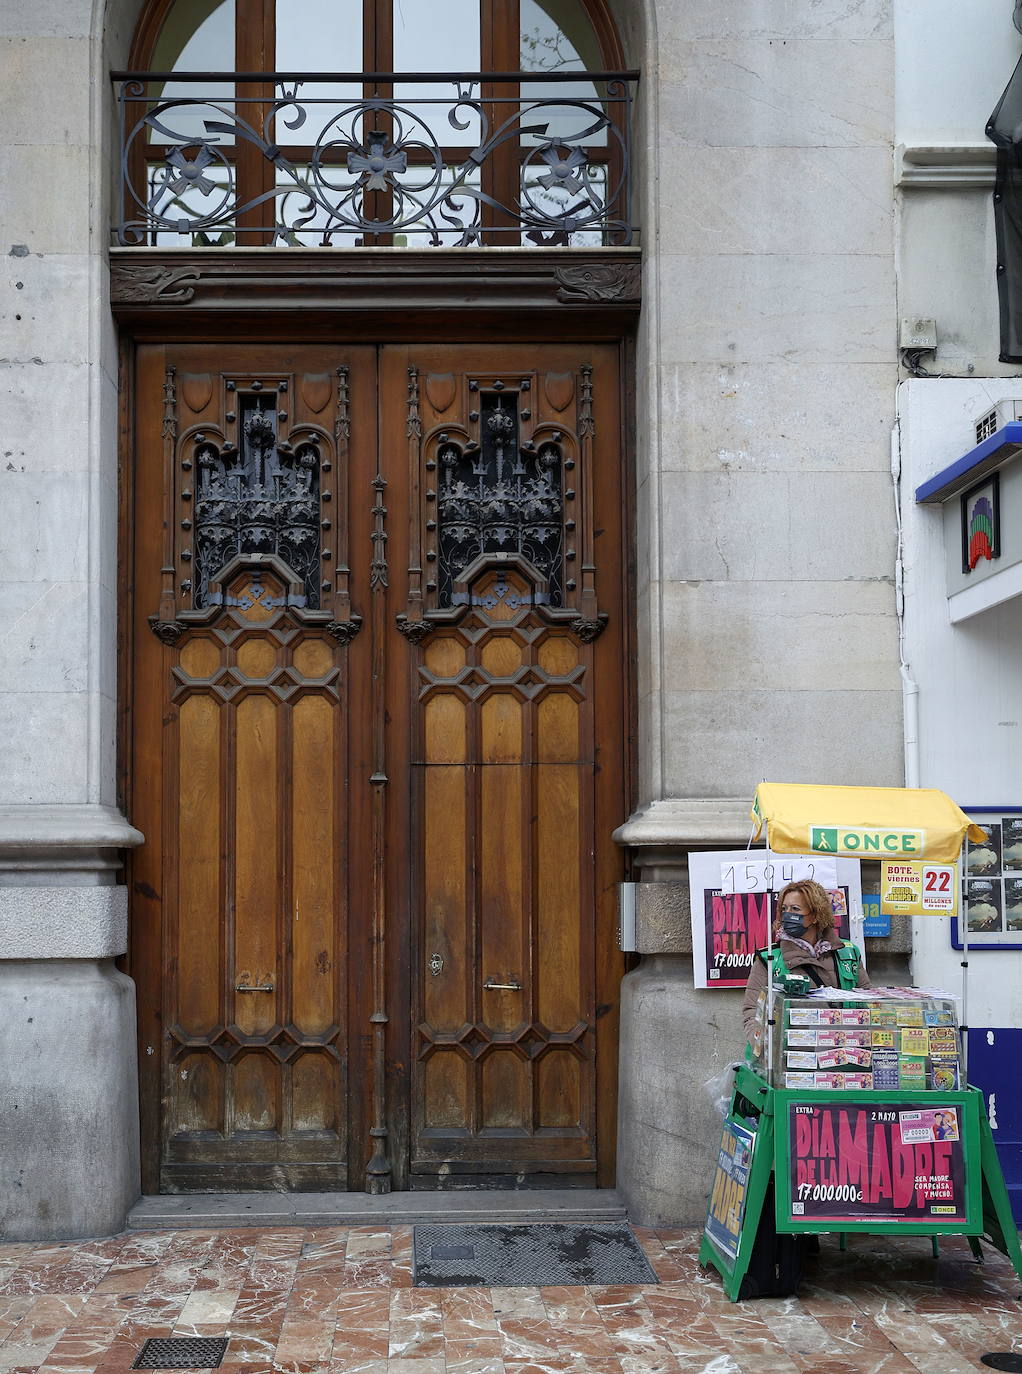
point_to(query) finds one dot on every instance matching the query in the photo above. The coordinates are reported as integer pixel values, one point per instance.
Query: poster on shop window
(875, 1162)
(733, 898)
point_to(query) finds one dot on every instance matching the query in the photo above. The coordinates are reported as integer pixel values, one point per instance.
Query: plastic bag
(718, 1088)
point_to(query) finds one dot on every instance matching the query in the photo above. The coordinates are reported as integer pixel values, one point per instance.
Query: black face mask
(793, 924)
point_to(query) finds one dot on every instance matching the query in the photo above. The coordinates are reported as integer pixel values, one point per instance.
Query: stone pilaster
(69, 1159)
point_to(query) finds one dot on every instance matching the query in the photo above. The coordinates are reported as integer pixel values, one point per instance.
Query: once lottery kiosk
(853, 1111)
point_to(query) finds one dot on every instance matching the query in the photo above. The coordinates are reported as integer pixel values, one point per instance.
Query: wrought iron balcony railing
(384, 158)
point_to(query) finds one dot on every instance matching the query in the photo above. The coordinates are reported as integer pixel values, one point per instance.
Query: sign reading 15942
(860, 840)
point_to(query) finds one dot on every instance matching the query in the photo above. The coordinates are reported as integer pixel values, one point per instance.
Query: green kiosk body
(854, 1112)
(909, 1160)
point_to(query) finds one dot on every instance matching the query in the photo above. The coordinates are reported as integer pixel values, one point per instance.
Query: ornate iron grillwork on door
(252, 475)
(377, 169)
(505, 480)
(258, 496)
(498, 495)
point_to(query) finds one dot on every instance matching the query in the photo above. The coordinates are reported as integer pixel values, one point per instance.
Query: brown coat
(797, 960)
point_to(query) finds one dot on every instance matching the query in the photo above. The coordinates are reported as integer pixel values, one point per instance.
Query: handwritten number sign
(770, 875)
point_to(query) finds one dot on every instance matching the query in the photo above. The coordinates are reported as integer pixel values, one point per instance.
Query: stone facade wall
(764, 482)
(765, 532)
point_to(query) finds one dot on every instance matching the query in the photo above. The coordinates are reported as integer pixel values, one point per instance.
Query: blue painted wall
(995, 1057)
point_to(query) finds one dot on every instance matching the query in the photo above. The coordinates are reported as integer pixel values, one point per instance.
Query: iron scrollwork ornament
(259, 497)
(500, 496)
(573, 187)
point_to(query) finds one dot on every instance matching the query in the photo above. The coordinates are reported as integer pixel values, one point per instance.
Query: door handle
(506, 987)
(253, 987)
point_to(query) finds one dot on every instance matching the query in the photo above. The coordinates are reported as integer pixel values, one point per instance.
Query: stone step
(203, 1210)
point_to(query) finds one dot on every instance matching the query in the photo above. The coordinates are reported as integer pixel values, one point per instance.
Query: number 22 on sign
(914, 888)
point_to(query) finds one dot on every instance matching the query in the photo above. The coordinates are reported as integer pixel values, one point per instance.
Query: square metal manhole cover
(181, 1352)
(539, 1255)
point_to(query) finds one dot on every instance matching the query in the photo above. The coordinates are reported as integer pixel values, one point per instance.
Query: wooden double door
(378, 704)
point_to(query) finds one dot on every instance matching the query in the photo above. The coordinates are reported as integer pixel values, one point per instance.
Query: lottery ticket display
(882, 1045)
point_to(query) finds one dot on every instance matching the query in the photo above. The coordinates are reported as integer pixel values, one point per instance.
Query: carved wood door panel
(378, 723)
(516, 653)
(242, 703)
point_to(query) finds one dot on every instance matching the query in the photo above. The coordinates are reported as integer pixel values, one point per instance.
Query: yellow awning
(862, 822)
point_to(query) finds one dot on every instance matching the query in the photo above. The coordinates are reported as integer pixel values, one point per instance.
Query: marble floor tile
(305, 1339)
(481, 1347)
(272, 1274)
(209, 1305)
(367, 1242)
(367, 1273)
(126, 1280)
(526, 1338)
(563, 1364)
(425, 1366)
(957, 1364)
(475, 1364)
(855, 1332)
(777, 1362)
(709, 1363)
(355, 1346)
(846, 1364)
(28, 1356)
(467, 1312)
(260, 1305)
(284, 1244)
(409, 1342)
(517, 1302)
(803, 1335)
(249, 1347)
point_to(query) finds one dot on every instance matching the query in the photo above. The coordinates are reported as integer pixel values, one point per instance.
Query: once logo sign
(834, 839)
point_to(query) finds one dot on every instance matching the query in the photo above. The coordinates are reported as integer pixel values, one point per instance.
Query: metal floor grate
(181, 1352)
(537, 1256)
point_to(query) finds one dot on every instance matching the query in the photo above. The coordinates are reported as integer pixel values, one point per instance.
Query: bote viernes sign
(913, 888)
(865, 842)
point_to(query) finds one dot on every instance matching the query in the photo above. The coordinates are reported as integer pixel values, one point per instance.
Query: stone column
(674, 1037)
(69, 1155)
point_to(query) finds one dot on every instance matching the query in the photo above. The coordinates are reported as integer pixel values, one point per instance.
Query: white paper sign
(770, 875)
(733, 901)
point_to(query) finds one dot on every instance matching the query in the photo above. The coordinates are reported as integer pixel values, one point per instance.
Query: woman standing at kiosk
(807, 944)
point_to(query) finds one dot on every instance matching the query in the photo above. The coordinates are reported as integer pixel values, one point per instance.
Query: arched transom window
(391, 122)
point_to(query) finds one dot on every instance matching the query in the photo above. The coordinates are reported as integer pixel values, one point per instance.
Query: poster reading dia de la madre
(738, 924)
(873, 1162)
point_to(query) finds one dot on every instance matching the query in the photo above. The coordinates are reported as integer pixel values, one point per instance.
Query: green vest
(847, 958)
